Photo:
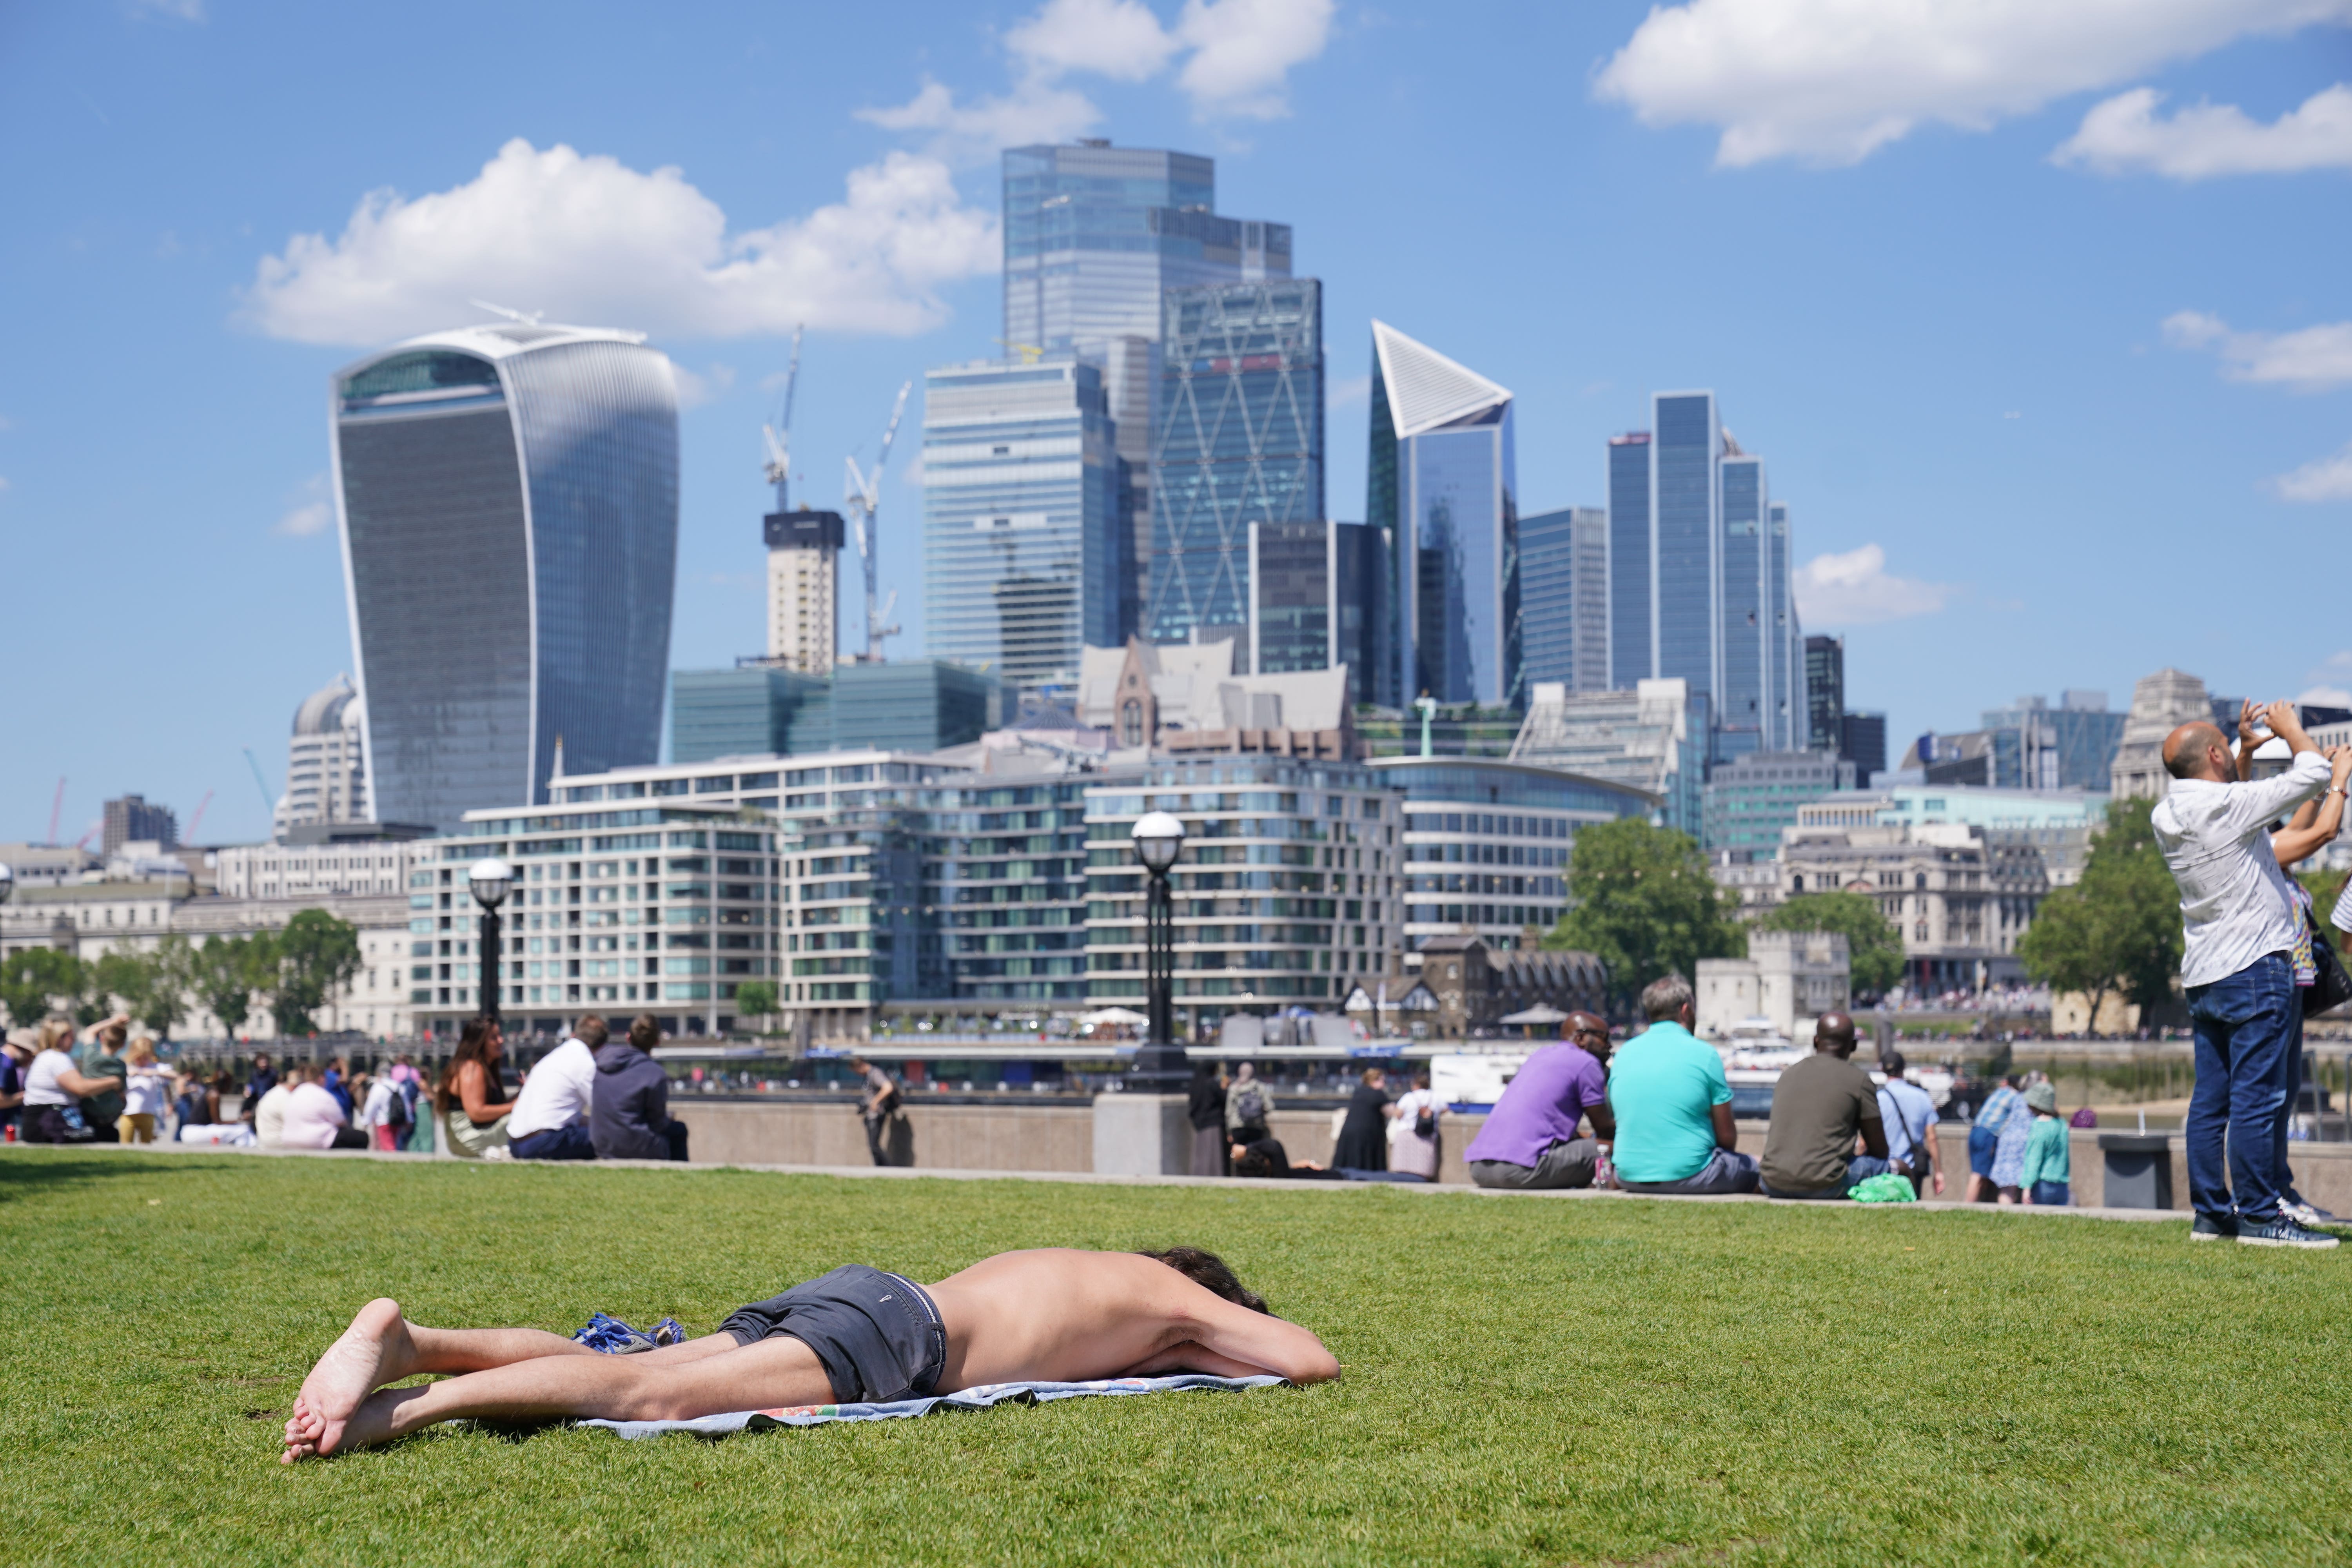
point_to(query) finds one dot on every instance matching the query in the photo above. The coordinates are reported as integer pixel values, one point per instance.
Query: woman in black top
(1364, 1137)
(1204, 1107)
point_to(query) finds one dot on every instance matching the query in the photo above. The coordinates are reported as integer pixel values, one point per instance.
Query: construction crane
(778, 439)
(199, 816)
(269, 807)
(865, 499)
(57, 806)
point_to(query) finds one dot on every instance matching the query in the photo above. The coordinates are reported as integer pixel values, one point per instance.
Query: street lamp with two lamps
(1159, 839)
(491, 878)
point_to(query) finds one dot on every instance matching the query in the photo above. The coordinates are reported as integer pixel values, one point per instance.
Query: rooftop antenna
(865, 499)
(532, 319)
(779, 439)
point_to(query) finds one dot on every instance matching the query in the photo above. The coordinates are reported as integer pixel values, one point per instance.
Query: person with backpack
(1204, 1107)
(1247, 1105)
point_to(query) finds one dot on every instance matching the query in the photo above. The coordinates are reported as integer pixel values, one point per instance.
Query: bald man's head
(2189, 752)
(1833, 1033)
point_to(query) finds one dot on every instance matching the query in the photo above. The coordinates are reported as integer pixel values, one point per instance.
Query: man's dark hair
(589, 1031)
(1208, 1270)
(644, 1033)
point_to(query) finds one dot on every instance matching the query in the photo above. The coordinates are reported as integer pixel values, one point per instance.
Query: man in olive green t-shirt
(1819, 1108)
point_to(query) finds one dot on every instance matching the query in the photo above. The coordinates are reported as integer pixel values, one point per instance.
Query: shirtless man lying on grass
(856, 1334)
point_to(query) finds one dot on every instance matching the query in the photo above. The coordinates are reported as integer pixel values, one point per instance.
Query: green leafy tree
(2116, 932)
(37, 981)
(316, 956)
(1641, 901)
(225, 972)
(756, 998)
(1872, 940)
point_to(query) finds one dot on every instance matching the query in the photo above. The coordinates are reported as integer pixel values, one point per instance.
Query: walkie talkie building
(507, 500)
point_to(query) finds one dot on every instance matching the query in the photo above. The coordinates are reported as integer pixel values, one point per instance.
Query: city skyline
(1992, 337)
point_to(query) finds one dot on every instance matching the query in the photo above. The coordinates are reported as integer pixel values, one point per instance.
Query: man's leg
(1862, 1167)
(2258, 1078)
(1725, 1171)
(2281, 1173)
(675, 1133)
(2211, 1010)
(1568, 1164)
(720, 1375)
(874, 1125)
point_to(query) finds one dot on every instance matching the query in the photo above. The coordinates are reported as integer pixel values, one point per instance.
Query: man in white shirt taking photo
(550, 1114)
(2241, 922)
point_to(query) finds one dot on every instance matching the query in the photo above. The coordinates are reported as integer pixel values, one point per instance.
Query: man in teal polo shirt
(1673, 1105)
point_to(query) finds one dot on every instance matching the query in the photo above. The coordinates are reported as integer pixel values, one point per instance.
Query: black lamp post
(491, 878)
(1159, 837)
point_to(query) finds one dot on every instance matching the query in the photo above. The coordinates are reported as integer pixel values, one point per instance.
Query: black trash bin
(2138, 1169)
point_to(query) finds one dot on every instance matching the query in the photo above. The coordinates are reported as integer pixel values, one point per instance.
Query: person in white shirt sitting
(270, 1111)
(2242, 923)
(550, 1115)
(315, 1119)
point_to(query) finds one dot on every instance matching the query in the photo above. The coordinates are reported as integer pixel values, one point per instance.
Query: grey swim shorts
(877, 1335)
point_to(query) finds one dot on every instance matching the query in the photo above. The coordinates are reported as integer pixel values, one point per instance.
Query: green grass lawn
(1526, 1381)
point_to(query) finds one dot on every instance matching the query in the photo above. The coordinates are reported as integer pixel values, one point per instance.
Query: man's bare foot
(374, 1351)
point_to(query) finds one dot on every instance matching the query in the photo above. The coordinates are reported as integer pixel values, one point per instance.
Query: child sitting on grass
(2046, 1172)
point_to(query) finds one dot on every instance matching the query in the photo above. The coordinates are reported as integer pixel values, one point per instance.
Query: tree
(37, 981)
(1874, 943)
(316, 956)
(225, 972)
(2117, 930)
(1641, 901)
(756, 998)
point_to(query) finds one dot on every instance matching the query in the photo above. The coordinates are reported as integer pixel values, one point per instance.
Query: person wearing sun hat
(2047, 1171)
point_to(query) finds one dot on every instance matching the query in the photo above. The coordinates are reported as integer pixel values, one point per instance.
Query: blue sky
(2041, 316)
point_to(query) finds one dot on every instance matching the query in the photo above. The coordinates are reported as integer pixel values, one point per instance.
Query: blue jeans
(1725, 1171)
(2284, 1173)
(1858, 1170)
(2246, 1025)
(569, 1141)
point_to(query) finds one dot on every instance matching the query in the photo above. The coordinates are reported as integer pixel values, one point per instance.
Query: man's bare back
(1050, 1315)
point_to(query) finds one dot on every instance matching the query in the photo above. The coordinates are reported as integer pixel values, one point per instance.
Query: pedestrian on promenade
(877, 1098)
(376, 1113)
(143, 1088)
(1531, 1139)
(1984, 1137)
(2238, 918)
(1248, 1102)
(263, 1078)
(1204, 1107)
(1363, 1141)
(1410, 1150)
(1673, 1105)
(1820, 1106)
(2048, 1166)
(1908, 1112)
(470, 1101)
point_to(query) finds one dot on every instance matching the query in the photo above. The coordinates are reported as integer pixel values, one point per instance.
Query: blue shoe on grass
(609, 1336)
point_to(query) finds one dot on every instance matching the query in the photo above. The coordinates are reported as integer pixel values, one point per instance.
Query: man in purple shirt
(1531, 1139)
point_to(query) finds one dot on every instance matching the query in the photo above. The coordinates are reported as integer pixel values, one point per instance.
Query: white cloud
(308, 513)
(970, 133)
(1116, 38)
(2311, 360)
(1830, 81)
(3, 482)
(714, 382)
(2125, 136)
(2321, 479)
(586, 238)
(1237, 57)
(2331, 682)
(1854, 589)
(1243, 51)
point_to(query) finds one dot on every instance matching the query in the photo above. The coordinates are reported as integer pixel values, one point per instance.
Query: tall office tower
(1441, 482)
(132, 820)
(326, 761)
(803, 588)
(1564, 597)
(508, 496)
(1825, 696)
(1238, 441)
(1699, 576)
(1092, 235)
(1312, 590)
(1020, 511)
(1862, 741)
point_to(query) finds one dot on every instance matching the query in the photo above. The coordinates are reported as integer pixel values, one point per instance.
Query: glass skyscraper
(1314, 594)
(1020, 510)
(1094, 234)
(1237, 441)
(1564, 597)
(508, 498)
(1441, 482)
(1699, 578)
